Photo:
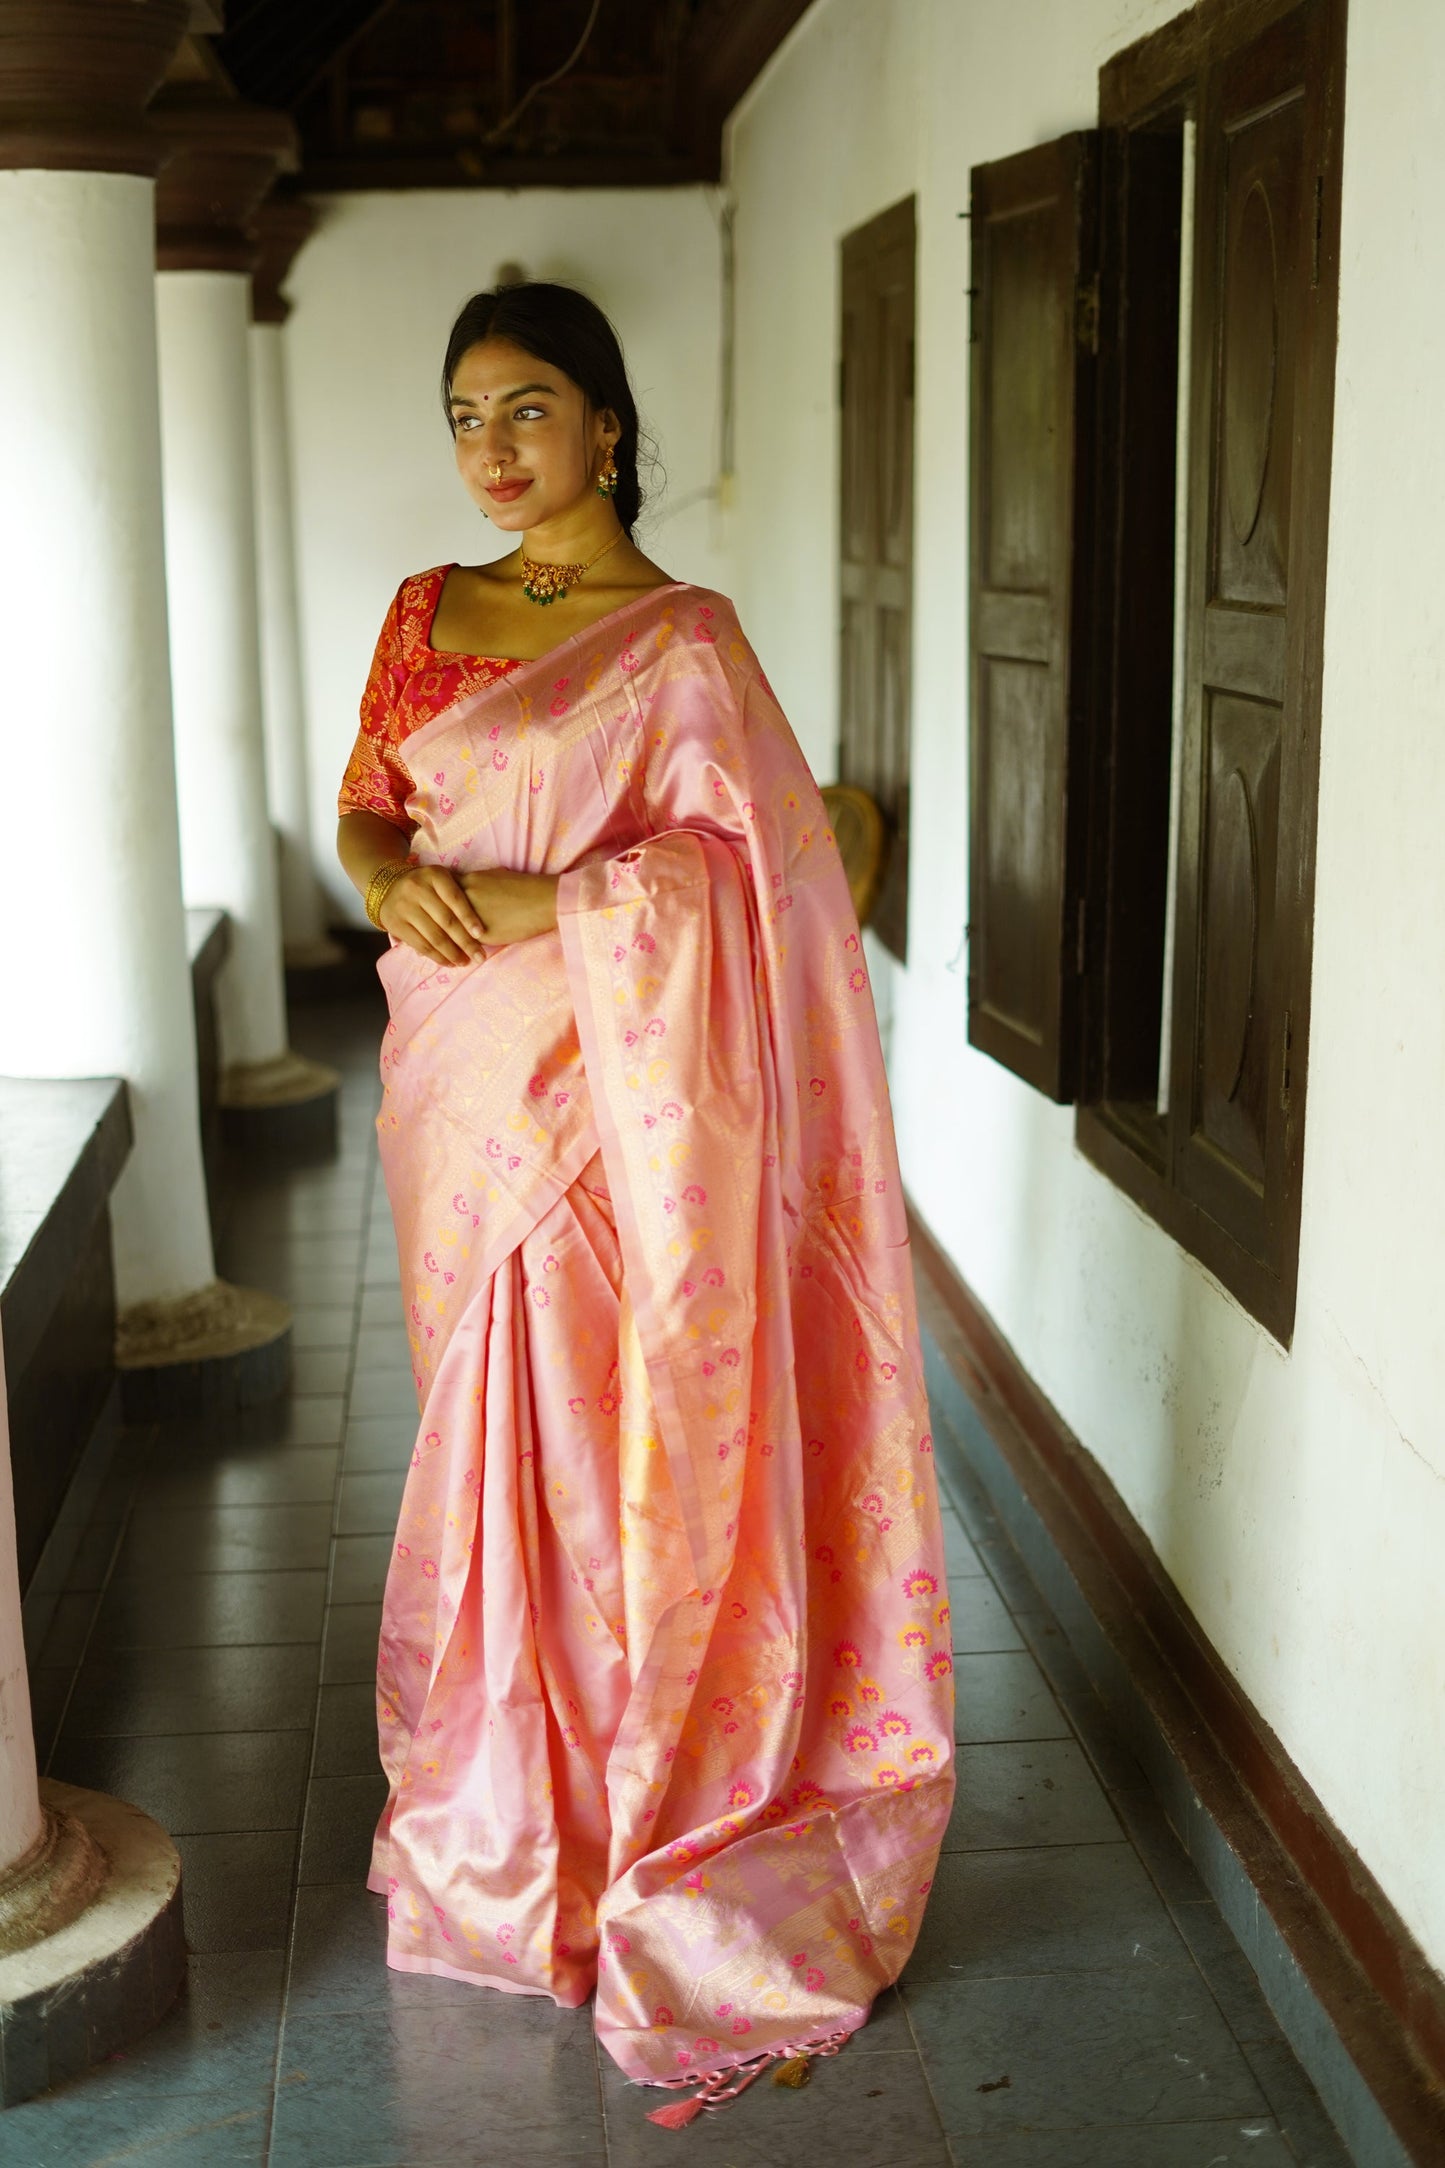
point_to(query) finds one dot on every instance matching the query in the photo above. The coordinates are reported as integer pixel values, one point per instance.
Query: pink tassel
(791, 2065)
(676, 2114)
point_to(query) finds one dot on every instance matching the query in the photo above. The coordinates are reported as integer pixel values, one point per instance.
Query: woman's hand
(428, 911)
(511, 906)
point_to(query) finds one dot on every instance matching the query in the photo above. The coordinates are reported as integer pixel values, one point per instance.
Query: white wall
(1298, 1499)
(377, 496)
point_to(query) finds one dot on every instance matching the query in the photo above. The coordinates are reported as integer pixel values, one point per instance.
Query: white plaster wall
(376, 493)
(1298, 1499)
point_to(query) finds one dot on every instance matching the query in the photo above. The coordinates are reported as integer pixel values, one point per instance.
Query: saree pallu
(664, 1693)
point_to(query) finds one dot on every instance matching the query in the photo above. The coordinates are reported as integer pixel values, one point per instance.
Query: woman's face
(513, 413)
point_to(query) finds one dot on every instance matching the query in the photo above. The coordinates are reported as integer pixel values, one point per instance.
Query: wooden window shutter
(876, 538)
(1035, 342)
(1260, 437)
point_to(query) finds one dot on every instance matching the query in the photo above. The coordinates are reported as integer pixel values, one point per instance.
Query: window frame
(1184, 65)
(871, 755)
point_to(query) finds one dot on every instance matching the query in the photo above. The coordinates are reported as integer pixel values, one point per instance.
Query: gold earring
(607, 479)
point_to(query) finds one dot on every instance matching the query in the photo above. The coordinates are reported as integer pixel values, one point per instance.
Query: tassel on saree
(794, 2067)
(795, 2071)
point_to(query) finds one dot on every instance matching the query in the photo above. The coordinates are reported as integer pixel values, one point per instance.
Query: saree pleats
(664, 1693)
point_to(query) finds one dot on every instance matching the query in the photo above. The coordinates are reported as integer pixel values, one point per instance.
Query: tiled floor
(1075, 2000)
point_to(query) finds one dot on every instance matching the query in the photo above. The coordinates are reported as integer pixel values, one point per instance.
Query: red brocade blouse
(409, 683)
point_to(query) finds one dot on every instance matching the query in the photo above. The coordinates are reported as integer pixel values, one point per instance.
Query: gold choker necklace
(550, 583)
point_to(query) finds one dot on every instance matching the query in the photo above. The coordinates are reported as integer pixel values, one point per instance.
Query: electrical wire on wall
(509, 121)
(719, 490)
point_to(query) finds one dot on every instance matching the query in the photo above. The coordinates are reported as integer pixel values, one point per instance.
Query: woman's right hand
(427, 909)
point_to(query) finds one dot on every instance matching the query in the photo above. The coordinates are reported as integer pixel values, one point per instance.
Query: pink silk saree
(665, 1690)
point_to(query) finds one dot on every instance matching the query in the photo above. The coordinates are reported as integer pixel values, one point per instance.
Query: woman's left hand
(512, 906)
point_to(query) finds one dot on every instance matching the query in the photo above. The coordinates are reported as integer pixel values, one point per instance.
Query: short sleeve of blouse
(376, 779)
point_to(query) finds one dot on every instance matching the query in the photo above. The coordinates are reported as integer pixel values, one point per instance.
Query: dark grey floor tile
(197, 1783)
(887, 2030)
(383, 1441)
(338, 1958)
(1010, 1576)
(1054, 1908)
(258, 1475)
(211, 1609)
(50, 1689)
(966, 1494)
(236, 1888)
(381, 1352)
(960, 1556)
(1254, 2142)
(358, 1568)
(1040, 1792)
(69, 1628)
(294, 1213)
(865, 2111)
(346, 1743)
(154, 1692)
(1148, 1831)
(224, 1539)
(219, 2037)
(1036, 2053)
(95, 1554)
(320, 1250)
(379, 1313)
(321, 1371)
(368, 1505)
(981, 1623)
(387, 1390)
(342, 1218)
(259, 1264)
(1313, 2138)
(1004, 1695)
(392, 2088)
(349, 1651)
(1102, 1742)
(1056, 1658)
(322, 1325)
(341, 1818)
(312, 1419)
(77, 2128)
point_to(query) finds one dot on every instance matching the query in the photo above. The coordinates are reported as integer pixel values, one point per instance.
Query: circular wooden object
(862, 838)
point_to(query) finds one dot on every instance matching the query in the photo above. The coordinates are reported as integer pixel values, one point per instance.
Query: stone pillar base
(222, 1349)
(284, 1109)
(318, 971)
(99, 1982)
(51, 1885)
(322, 955)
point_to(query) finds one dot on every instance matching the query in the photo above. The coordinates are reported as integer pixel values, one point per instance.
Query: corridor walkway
(1075, 2002)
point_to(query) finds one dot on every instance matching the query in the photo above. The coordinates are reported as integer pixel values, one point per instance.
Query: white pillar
(303, 917)
(95, 972)
(227, 853)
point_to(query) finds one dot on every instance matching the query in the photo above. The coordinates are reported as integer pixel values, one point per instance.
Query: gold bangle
(381, 884)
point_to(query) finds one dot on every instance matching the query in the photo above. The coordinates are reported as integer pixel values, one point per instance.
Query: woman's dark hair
(563, 328)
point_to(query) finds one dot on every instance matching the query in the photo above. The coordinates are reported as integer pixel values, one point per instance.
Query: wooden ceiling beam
(727, 47)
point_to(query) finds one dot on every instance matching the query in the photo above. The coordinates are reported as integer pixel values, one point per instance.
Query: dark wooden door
(876, 538)
(1034, 347)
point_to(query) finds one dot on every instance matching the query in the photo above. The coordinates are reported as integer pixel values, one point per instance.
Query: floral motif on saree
(665, 1684)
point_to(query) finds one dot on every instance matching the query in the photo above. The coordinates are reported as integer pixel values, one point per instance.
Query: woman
(664, 1686)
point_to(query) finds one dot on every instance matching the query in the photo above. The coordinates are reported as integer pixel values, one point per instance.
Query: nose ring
(495, 473)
